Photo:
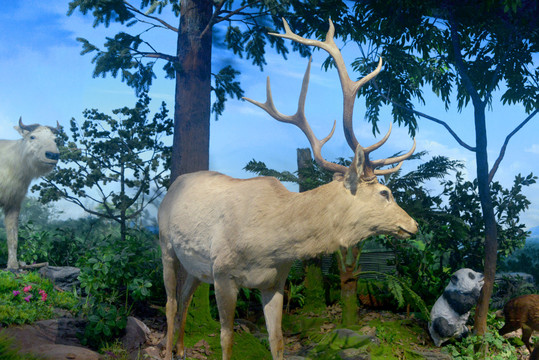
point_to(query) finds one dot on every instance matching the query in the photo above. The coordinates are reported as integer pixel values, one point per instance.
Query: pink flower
(27, 299)
(16, 292)
(27, 288)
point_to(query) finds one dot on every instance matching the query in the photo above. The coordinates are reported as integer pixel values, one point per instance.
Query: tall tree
(113, 166)
(190, 64)
(468, 50)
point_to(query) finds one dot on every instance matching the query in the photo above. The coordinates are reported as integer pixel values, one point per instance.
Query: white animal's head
(466, 281)
(39, 146)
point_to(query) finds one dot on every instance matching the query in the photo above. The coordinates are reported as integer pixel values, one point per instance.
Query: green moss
(201, 326)
(314, 289)
(198, 317)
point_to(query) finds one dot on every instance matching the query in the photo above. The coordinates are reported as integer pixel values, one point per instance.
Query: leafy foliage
(126, 150)
(490, 346)
(131, 56)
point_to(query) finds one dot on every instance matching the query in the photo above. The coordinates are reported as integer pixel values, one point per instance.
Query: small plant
(27, 298)
(105, 323)
(491, 346)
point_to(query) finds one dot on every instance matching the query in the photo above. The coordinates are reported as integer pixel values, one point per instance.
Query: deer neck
(315, 219)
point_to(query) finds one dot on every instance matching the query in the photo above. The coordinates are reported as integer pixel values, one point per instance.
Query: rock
(354, 354)
(151, 352)
(136, 334)
(345, 338)
(52, 339)
(65, 277)
(432, 355)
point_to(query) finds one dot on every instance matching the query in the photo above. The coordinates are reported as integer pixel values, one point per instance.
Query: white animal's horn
(27, 127)
(56, 129)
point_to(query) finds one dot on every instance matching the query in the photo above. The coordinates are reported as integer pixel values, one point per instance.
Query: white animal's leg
(273, 312)
(171, 266)
(226, 293)
(11, 221)
(187, 285)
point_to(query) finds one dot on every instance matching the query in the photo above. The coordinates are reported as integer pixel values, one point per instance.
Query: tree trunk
(304, 162)
(491, 236)
(347, 270)
(190, 148)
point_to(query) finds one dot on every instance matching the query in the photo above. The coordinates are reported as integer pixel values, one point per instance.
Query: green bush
(115, 275)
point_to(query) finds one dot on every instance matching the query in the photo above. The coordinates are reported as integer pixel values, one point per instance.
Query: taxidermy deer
(246, 233)
(523, 313)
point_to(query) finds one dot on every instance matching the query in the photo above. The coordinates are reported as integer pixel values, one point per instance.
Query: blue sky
(44, 79)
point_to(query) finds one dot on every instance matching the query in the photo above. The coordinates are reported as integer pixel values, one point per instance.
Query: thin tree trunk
(190, 148)
(491, 236)
(347, 269)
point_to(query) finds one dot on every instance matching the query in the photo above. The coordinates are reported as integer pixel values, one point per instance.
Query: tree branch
(428, 117)
(459, 63)
(214, 19)
(157, 55)
(164, 23)
(504, 147)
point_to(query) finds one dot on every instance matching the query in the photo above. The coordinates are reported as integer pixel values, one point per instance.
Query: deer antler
(300, 121)
(350, 89)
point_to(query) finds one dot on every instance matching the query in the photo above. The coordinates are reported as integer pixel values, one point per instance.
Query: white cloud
(534, 149)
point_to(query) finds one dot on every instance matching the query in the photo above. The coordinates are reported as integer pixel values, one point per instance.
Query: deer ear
(353, 174)
(20, 131)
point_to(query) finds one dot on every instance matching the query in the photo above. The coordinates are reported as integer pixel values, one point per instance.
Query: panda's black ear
(454, 279)
(471, 275)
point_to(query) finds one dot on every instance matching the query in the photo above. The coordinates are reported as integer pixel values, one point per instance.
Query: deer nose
(52, 155)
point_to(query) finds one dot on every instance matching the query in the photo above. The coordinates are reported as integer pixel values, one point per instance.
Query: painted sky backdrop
(44, 79)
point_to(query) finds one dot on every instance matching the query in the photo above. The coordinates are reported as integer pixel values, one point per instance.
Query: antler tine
(378, 163)
(373, 147)
(349, 87)
(300, 121)
(388, 171)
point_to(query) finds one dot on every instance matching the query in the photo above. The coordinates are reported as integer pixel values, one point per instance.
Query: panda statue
(451, 311)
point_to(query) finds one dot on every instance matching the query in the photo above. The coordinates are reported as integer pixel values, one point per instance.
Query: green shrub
(105, 323)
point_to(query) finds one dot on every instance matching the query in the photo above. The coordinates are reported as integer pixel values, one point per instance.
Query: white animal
(450, 313)
(21, 161)
(247, 233)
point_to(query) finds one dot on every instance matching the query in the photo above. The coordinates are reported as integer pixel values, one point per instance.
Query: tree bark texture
(304, 162)
(347, 270)
(491, 236)
(190, 148)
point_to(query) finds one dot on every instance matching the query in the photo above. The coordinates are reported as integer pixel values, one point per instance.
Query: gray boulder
(65, 277)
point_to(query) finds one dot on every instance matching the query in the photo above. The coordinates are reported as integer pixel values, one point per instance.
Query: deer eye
(385, 194)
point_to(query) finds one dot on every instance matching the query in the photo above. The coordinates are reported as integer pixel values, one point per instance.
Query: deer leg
(11, 222)
(171, 267)
(526, 334)
(272, 301)
(226, 293)
(535, 353)
(509, 327)
(187, 285)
